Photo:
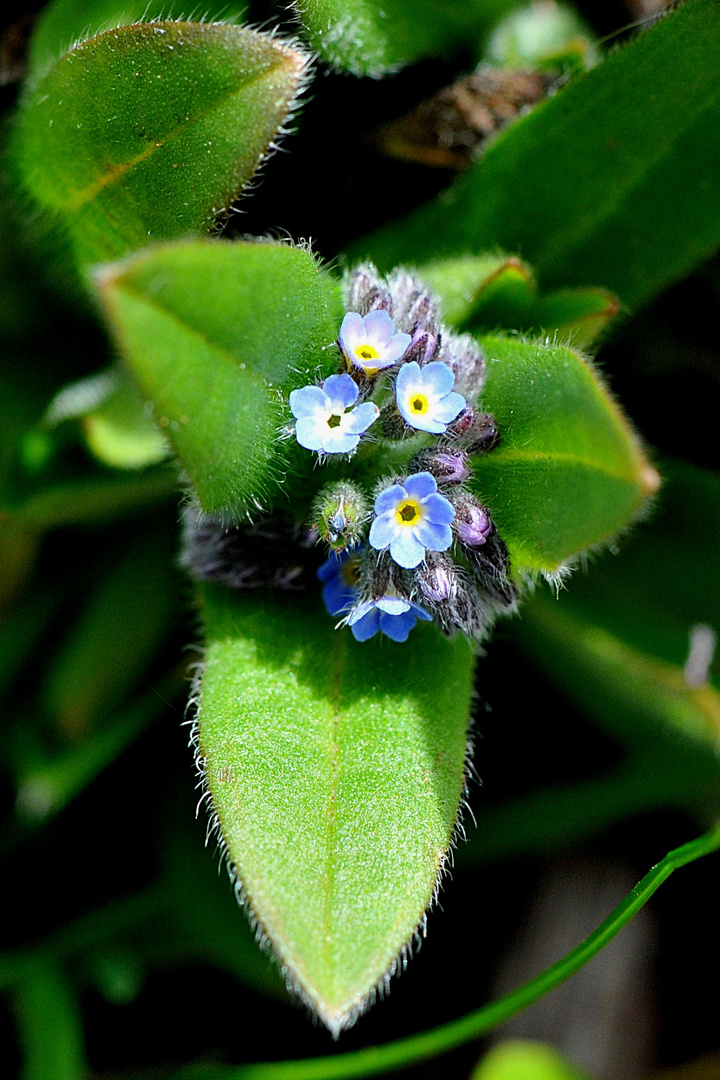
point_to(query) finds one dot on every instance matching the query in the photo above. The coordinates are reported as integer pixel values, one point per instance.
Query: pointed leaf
(149, 132)
(216, 336)
(64, 22)
(336, 770)
(485, 290)
(578, 316)
(569, 471)
(618, 172)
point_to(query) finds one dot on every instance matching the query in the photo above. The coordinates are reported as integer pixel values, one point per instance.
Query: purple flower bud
(366, 291)
(463, 423)
(413, 305)
(424, 346)
(437, 579)
(466, 360)
(482, 435)
(472, 523)
(447, 466)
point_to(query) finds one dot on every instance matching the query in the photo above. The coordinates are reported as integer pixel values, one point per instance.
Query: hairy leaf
(569, 471)
(149, 132)
(617, 172)
(335, 770)
(216, 336)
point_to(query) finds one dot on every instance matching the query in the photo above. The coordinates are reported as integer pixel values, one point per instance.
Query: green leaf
(619, 640)
(216, 335)
(617, 172)
(336, 771)
(116, 637)
(521, 1060)
(64, 22)
(569, 471)
(579, 316)
(490, 291)
(367, 37)
(149, 132)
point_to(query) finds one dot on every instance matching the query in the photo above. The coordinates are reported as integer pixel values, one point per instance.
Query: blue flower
(411, 517)
(425, 396)
(391, 615)
(371, 343)
(339, 574)
(325, 418)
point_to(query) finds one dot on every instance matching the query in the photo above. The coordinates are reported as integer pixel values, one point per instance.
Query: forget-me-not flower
(371, 343)
(389, 614)
(326, 420)
(339, 576)
(411, 517)
(425, 396)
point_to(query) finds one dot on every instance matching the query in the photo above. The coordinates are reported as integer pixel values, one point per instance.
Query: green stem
(430, 1044)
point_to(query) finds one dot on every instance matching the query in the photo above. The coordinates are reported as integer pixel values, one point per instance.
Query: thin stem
(430, 1044)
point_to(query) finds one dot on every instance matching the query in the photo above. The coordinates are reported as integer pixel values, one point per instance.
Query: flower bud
(423, 348)
(482, 435)
(392, 424)
(365, 291)
(437, 579)
(490, 564)
(339, 515)
(466, 360)
(414, 307)
(448, 466)
(472, 523)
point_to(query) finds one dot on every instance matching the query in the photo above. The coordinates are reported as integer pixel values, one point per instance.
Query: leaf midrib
(516, 454)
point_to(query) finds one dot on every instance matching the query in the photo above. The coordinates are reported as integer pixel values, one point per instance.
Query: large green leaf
(149, 132)
(63, 22)
(619, 641)
(569, 471)
(367, 37)
(216, 335)
(617, 173)
(335, 770)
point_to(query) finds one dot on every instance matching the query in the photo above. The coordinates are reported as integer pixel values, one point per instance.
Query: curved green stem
(374, 1060)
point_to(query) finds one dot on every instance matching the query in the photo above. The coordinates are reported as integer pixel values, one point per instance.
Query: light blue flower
(371, 343)
(326, 421)
(391, 615)
(425, 396)
(411, 517)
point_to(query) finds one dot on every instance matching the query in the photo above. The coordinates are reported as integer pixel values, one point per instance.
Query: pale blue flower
(411, 517)
(371, 343)
(339, 577)
(425, 396)
(391, 615)
(326, 420)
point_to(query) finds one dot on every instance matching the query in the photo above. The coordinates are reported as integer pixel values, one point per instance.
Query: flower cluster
(408, 542)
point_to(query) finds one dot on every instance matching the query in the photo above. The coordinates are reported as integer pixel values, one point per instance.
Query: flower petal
(393, 605)
(434, 537)
(450, 407)
(367, 626)
(382, 532)
(438, 509)
(406, 549)
(396, 348)
(360, 418)
(388, 499)
(341, 391)
(352, 331)
(438, 378)
(397, 627)
(308, 401)
(379, 328)
(337, 441)
(420, 485)
(309, 432)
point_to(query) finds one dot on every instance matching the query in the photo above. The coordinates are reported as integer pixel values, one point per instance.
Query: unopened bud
(423, 348)
(339, 515)
(482, 435)
(490, 564)
(447, 466)
(414, 307)
(466, 360)
(472, 522)
(365, 291)
(392, 424)
(436, 579)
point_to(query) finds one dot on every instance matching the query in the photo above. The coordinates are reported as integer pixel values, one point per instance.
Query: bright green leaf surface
(367, 37)
(64, 22)
(518, 1060)
(150, 132)
(568, 472)
(578, 316)
(216, 335)
(618, 172)
(336, 770)
(483, 290)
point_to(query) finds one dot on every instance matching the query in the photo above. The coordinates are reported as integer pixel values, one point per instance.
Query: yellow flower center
(419, 404)
(408, 512)
(366, 352)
